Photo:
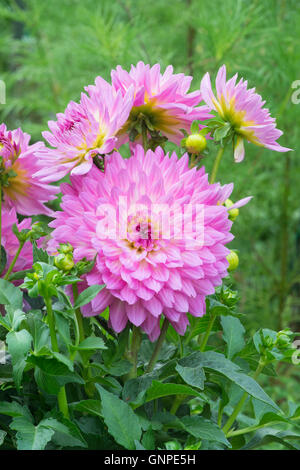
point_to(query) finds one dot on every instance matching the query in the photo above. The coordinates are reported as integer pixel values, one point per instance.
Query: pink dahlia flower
(11, 243)
(153, 257)
(162, 99)
(243, 109)
(84, 131)
(18, 164)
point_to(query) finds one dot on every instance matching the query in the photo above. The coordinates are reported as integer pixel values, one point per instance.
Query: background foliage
(50, 50)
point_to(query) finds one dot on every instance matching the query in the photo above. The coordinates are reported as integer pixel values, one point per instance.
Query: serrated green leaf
(216, 362)
(123, 424)
(159, 390)
(92, 407)
(10, 295)
(233, 335)
(93, 342)
(193, 376)
(30, 437)
(204, 429)
(66, 433)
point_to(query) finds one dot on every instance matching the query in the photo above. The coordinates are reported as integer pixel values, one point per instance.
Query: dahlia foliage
(135, 249)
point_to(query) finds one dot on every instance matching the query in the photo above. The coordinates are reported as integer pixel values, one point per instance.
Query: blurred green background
(49, 50)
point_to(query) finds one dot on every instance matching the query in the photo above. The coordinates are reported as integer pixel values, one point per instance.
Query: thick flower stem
(240, 404)
(61, 397)
(207, 333)
(176, 404)
(216, 165)
(158, 346)
(134, 350)
(11, 267)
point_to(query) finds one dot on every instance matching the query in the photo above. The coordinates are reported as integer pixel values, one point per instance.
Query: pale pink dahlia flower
(11, 243)
(243, 109)
(85, 130)
(162, 99)
(18, 164)
(147, 270)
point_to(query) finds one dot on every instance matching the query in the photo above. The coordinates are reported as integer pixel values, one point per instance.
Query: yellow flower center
(229, 113)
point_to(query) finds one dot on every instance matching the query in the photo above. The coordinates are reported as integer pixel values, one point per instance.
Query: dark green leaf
(123, 424)
(233, 335)
(193, 376)
(203, 429)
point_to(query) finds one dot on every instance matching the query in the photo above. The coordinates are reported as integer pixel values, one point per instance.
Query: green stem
(78, 314)
(176, 404)
(207, 333)
(240, 404)
(12, 264)
(61, 397)
(216, 165)
(248, 429)
(158, 346)
(133, 353)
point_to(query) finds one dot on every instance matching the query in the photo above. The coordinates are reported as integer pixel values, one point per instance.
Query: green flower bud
(283, 338)
(65, 248)
(64, 262)
(195, 143)
(233, 213)
(233, 260)
(268, 342)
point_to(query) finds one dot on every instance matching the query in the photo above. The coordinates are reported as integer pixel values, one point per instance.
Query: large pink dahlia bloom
(11, 243)
(85, 130)
(150, 266)
(162, 99)
(243, 109)
(18, 164)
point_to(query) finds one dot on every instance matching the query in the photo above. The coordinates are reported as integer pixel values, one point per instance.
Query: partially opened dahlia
(11, 243)
(84, 131)
(18, 164)
(159, 231)
(243, 109)
(161, 100)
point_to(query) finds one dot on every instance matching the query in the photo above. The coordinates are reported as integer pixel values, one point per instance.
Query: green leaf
(123, 424)
(195, 127)
(203, 429)
(222, 132)
(19, 344)
(39, 254)
(10, 295)
(51, 374)
(93, 342)
(216, 362)
(267, 435)
(135, 389)
(148, 440)
(233, 335)
(67, 434)
(92, 407)
(118, 368)
(87, 295)
(3, 259)
(2, 437)
(30, 437)
(14, 410)
(193, 376)
(159, 390)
